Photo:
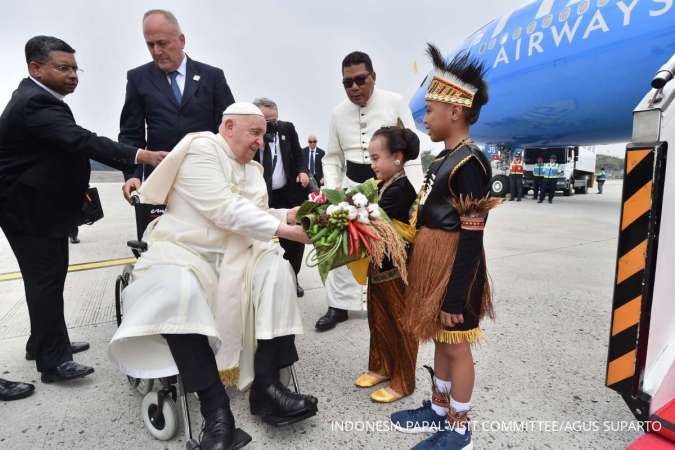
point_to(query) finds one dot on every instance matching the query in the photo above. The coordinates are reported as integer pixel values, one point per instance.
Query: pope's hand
(293, 233)
(303, 179)
(131, 185)
(291, 215)
(150, 157)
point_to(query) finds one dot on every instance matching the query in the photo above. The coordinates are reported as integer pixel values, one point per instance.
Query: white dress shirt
(51, 91)
(351, 129)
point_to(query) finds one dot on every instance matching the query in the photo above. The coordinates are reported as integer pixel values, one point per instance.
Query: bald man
(169, 97)
(314, 156)
(181, 315)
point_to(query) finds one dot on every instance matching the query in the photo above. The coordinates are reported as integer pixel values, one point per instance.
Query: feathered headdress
(456, 82)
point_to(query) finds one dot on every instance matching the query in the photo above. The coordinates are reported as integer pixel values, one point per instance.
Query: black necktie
(267, 160)
(311, 162)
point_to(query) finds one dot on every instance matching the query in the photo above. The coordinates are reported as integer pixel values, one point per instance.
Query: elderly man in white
(212, 291)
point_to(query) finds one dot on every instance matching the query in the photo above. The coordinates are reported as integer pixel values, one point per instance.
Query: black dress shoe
(309, 398)
(332, 317)
(219, 432)
(11, 390)
(66, 371)
(278, 406)
(75, 347)
(300, 291)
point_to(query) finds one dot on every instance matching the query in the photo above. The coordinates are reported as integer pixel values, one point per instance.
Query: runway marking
(78, 267)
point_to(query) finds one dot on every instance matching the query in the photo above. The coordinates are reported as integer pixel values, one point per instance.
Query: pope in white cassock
(213, 297)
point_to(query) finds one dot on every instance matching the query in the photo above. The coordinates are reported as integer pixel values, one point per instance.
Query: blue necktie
(174, 87)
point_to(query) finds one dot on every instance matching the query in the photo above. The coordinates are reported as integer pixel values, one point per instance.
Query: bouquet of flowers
(348, 226)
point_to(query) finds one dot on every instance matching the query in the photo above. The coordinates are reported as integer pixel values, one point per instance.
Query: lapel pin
(196, 77)
(283, 138)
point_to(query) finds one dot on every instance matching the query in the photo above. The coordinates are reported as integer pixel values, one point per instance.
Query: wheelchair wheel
(120, 284)
(162, 425)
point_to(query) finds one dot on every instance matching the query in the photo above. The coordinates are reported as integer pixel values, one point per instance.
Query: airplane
(565, 73)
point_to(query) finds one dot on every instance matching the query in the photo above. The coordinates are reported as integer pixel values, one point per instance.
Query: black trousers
(548, 189)
(293, 251)
(43, 262)
(538, 186)
(516, 185)
(197, 364)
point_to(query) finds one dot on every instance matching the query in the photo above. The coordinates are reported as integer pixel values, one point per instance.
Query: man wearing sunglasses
(347, 161)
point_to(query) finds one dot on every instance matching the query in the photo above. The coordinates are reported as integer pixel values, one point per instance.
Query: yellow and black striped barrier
(635, 266)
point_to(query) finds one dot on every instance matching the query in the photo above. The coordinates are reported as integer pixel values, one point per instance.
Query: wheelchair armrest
(140, 246)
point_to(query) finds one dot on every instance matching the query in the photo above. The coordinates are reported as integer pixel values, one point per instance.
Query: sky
(289, 51)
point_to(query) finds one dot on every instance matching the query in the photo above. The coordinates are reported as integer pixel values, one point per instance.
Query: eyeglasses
(359, 80)
(63, 68)
(312, 142)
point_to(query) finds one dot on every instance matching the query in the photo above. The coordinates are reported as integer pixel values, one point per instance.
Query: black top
(44, 162)
(150, 108)
(464, 171)
(396, 200)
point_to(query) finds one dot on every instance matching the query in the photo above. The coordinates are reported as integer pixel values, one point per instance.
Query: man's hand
(322, 182)
(150, 157)
(291, 215)
(293, 232)
(303, 179)
(131, 185)
(450, 320)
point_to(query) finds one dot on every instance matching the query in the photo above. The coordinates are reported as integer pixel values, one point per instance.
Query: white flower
(359, 200)
(332, 209)
(343, 205)
(374, 210)
(352, 213)
(362, 216)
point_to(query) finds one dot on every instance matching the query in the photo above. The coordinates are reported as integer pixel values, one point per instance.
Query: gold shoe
(369, 379)
(385, 395)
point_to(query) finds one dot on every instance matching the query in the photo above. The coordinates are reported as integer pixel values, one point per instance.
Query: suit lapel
(191, 84)
(162, 84)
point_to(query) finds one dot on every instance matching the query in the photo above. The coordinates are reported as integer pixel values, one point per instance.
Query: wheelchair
(159, 407)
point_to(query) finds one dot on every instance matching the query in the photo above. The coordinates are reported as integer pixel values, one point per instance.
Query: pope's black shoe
(75, 347)
(219, 432)
(332, 317)
(278, 406)
(68, 370)
(11, 390)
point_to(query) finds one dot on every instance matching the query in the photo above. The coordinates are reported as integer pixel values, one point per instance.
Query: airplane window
(602, 3)
(547, 21)
(583, 7)
(492, 44)
(531, 27)
(518, 31)
(504, 38)
(483, 47)
(564, 15)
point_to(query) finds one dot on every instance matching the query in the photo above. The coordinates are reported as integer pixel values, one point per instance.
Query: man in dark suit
(314, 155)
(169, 97)
(285, 172)
(44, 174)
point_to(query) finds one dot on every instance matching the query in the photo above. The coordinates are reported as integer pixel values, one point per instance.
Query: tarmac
(540, 369)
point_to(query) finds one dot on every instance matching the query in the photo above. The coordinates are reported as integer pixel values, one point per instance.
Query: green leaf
(333, 196)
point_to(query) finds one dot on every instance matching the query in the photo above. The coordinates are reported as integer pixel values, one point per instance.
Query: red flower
(317, 198)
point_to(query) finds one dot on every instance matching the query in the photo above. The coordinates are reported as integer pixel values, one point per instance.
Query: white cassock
(211, 267)
(351, 129)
